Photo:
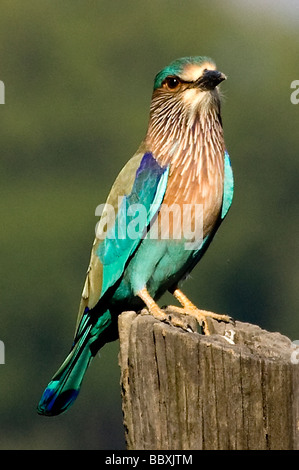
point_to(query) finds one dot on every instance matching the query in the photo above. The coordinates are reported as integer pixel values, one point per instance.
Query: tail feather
(65, 385)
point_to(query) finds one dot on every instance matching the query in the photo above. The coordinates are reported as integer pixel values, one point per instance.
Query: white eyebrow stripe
(192, 72)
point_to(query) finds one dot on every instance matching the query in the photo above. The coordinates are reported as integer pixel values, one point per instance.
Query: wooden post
(235, 389)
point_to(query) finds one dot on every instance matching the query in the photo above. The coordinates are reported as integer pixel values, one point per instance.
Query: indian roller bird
(182, 162)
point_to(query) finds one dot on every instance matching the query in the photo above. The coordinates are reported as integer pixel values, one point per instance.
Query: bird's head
(185, 109)
(191, 81)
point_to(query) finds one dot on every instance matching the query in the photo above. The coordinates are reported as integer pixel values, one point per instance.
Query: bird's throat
(192, 143)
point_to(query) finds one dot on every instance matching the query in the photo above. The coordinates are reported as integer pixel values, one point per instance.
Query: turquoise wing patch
(134, 215)
(228, 190)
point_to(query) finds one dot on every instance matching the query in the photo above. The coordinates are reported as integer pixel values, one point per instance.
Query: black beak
(210, 79)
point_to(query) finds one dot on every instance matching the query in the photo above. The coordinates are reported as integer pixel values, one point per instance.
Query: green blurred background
(78, 80)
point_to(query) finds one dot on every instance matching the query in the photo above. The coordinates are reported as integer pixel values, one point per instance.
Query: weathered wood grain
(234, 389)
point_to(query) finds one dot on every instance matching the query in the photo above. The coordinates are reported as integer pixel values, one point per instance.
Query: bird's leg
(188, 308)
(158, 313)
(153, 308)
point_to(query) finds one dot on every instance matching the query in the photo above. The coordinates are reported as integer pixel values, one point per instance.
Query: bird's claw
(202, 316)
(180, 322)
(170, 319)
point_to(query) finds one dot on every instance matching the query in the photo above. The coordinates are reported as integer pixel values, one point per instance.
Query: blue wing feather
(228, 189)
(116, 249)
(146, 197)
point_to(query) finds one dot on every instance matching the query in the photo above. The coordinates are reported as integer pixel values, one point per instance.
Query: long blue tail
(64, 387)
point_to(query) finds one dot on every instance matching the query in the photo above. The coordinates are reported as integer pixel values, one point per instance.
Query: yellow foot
(188, 308)
(158, 313)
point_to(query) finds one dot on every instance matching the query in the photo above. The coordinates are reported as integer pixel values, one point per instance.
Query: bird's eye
(172, 83)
